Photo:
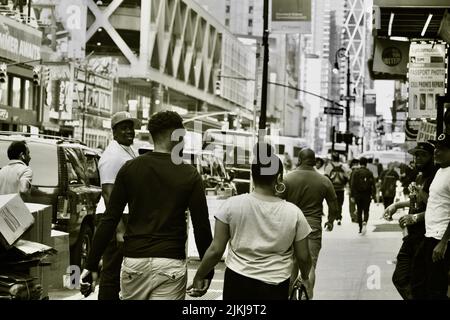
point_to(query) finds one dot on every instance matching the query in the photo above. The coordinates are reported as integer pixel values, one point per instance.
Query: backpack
(337, 176)
(389, 184)
(362, 180)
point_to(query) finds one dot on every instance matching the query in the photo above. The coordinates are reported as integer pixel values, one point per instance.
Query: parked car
(212, 170)
(65, 176)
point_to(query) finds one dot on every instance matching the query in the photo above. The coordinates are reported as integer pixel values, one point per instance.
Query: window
(250, 9)
(44, 162)
(15, 97)
(250, 22)
(28, 95)
(75, 168)
(227, 22)
(4, 93)
(227, 9)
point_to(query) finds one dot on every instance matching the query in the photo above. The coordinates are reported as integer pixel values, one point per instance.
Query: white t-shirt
(437, 214)
(15, 177)
(112, 159)
(262, 233)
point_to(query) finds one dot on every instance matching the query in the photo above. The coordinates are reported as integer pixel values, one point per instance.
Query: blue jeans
(153, 279)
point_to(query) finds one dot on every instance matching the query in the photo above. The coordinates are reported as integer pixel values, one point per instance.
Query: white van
(291, 145)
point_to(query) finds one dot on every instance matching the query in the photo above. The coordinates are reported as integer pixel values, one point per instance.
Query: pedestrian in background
(363, 189)
(117, 153)
(287, 162)
(158, 188)
(339, 177)
(307, 189)
(320, 165)
(354, 164)
(16, 176)
(414, 221)
(263, 233)
(388, 180)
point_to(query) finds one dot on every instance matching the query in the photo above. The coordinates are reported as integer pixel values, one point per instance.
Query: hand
(198, 287)
(87, 285)
(352, 199)
(328, 226)
(439, 251)
(406, 220)
(389, 212)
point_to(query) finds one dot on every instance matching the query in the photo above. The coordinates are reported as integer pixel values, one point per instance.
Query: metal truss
(180, 46)
(354, 37)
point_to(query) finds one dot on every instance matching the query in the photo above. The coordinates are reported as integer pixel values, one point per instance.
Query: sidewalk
(356, 267)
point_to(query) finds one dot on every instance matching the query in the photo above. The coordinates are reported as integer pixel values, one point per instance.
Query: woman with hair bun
(264, 234)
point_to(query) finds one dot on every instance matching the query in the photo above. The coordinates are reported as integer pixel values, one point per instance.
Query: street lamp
(340, 54)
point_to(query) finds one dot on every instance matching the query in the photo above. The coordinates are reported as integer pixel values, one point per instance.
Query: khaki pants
(153, 279)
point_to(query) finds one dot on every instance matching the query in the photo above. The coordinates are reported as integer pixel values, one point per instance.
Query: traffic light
(380, 125)
(45, 75)
(217, 88)
(36, 75)
(348, 138)
(3, 74)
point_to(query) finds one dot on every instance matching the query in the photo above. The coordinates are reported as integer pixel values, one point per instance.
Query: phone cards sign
(426, 74)
(426, 132)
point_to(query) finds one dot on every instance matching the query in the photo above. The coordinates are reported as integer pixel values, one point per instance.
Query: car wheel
(80, 251)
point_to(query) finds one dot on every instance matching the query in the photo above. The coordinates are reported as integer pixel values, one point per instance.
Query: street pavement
(350, 266)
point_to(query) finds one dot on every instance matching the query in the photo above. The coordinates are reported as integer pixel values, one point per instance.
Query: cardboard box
(60, 261)
(41, 230)
(15, 219)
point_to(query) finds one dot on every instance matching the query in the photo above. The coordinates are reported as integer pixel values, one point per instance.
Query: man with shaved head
(306, 188)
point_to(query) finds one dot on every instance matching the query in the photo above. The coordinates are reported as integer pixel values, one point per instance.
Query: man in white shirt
(16, 176)
(433, 257)
(113, 158)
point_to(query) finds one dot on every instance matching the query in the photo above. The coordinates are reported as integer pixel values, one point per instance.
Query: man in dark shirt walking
(307, 189)
(158, 190)
(362, 186)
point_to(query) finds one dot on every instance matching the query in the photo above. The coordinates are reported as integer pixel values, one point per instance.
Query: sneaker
(364, 228)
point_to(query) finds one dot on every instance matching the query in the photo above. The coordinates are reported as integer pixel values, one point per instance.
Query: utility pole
(83, 121)
(347, 106)
(265, 43)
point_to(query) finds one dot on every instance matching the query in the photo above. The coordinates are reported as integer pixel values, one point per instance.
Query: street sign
(347, 98)
(335, 111)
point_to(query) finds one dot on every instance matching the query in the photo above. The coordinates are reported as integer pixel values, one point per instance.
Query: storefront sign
(427, 132)
(391, 57)
(291, 16)
(19, 42)
(72, 123)
(411, 3)
(4, 114)
(370, 105)
(426, 75)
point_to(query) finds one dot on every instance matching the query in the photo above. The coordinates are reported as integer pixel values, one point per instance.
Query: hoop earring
(282, 186)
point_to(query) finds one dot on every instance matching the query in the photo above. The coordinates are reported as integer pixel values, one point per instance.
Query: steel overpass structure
(174, 48)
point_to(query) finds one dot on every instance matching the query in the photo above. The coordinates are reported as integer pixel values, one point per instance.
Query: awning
(397, 19)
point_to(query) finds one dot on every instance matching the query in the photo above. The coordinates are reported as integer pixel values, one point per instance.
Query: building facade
(19, 96)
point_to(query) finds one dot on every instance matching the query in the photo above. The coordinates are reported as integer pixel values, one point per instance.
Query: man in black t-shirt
(415, 219)
(158, 188)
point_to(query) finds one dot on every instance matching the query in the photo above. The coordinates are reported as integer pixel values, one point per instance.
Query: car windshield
(44, 162)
